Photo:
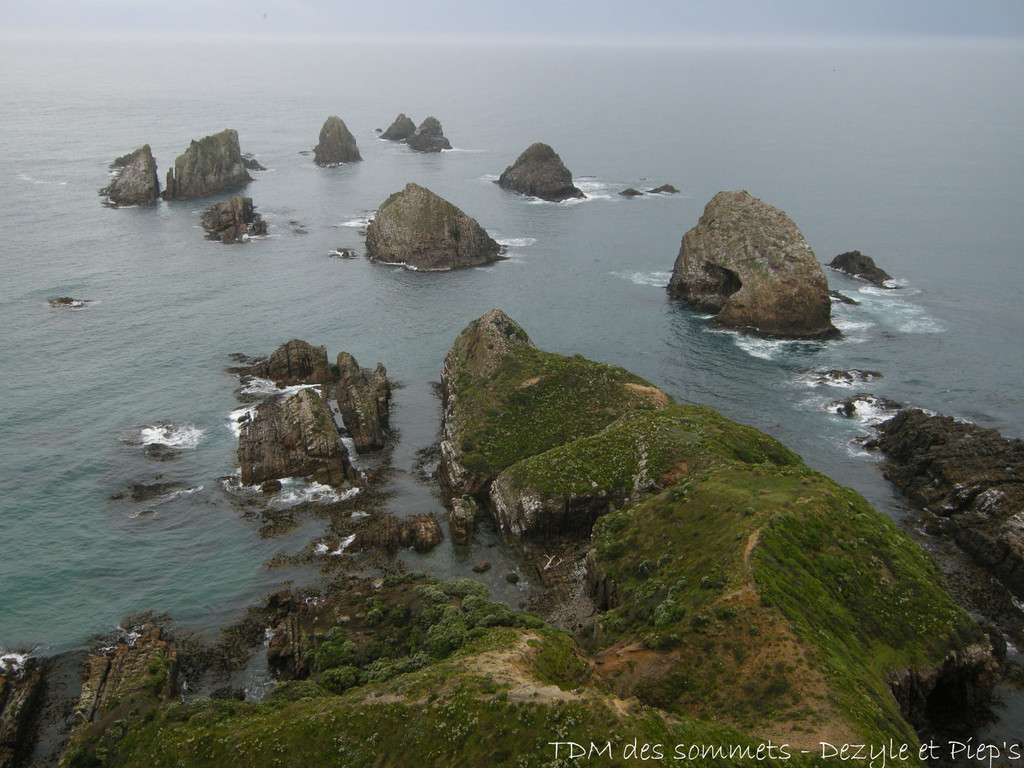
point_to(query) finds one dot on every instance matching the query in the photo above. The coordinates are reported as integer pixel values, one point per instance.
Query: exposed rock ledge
(971, 477)
(857, 264)
(748, 263)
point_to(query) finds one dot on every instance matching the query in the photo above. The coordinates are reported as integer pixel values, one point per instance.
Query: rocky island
(136, 182)
(429, 137)
(857, 264)
(233, 221)
(402, 128)
(211, 165)
(423, 231)
(540, 172)
(337, 145)
(747, 263)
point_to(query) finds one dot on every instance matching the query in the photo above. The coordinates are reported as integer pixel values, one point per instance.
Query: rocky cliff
(294, 362)
(748, 263)
(363, 398)
(540, 172)
(136, 182)
(233, 221)
(970, 477)
(211, 165)
(421, 230)
(337, 145)
(429, 137)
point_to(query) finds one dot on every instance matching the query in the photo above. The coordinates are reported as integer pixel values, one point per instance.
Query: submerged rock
(211, 165)
(421, 230)
(857, 264)
(251, 163)
(136, 182)
(233, 221)
(337, 144)
(970, 475)
(429, 137)
(402, 128)
(747, 262)
(631, 192)
(540, 172)
(67, 302)
(363, 398)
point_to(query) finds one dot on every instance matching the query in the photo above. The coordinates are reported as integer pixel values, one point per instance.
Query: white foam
(517, 242)
(870, 411)
(359, 223)
(324, 549)
(490, 177)
(656, 279)
(296, 490)
(258, 386)
(184, 492)
(350, 446)
(13, 663)
(239, 417)
(171, 435)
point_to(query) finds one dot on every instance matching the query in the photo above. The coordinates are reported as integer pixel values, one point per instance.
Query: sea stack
(540, 172)
(233, 221)
(748, 263)
(402, 128)
(429, 137)
(211, 165)
(136, 182)
(337, 144)
(423, 231)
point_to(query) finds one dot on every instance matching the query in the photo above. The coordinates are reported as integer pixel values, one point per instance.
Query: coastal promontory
(540, 172)
(747, 262)
(422, 230)
(136, 181)
(211, 165)
(337, 145)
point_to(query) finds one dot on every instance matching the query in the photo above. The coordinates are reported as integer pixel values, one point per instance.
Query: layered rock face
(857, 264)
(136, 182)
(429, 137)
(294, 437)
(211, 165)
(402, 128)
(21, 689)
(421, 230)
(233, 221)
(389, 534)
(363, 398)
(971, 476)
(337, 145)
(748, 263)
(540, 172)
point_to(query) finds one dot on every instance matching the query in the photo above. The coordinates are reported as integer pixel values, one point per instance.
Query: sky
(528, 20)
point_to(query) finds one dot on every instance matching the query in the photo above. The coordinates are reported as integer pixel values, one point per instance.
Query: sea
(909, 151)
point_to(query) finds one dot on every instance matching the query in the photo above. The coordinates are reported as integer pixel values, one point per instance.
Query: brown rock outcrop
(295, 362)
(971, 476)
(363, 398)
(233, 221)
(747, 262)
(21, 689)
(429, 137)
(294, 437)
(389, 534)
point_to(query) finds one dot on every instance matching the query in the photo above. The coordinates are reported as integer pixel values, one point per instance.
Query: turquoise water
(912, 155)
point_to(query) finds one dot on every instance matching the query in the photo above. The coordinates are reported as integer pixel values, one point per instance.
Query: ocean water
(909, 153)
